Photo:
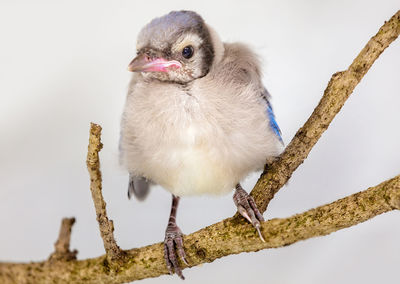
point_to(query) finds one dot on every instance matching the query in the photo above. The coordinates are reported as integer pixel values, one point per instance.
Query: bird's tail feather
(138, 186)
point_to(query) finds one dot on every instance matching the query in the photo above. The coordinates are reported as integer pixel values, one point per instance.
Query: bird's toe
(248, 209)
(173, 246)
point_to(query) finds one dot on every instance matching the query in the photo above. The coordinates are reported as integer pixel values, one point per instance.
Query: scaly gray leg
(248, 208)
(173, 238)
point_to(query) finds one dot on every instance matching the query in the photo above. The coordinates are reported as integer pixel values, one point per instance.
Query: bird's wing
(271, 116)
(242, 65)
(138, 186)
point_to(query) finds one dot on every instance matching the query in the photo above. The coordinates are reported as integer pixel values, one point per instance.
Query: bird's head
(177, 47)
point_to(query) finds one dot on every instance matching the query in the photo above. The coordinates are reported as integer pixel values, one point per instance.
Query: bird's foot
(248, 208)
(173, 239)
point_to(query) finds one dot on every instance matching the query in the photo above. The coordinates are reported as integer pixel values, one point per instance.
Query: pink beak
(143, 63)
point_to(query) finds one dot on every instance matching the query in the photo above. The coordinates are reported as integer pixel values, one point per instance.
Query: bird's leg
(248, 208)
(173, 238)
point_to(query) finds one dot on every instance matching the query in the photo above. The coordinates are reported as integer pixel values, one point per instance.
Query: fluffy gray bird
(197, 119)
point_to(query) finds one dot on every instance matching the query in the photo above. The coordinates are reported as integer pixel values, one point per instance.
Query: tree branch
(106, 226)
(61, 247)
(233, 235)
(339, 88)
(221, 239)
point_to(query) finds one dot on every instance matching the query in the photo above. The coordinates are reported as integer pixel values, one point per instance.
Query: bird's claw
(173, 243)
(248, 209)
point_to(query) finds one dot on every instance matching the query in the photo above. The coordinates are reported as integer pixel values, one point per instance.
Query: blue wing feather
(272, 121)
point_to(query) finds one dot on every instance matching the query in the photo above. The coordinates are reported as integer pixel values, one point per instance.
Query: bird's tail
(138, 186)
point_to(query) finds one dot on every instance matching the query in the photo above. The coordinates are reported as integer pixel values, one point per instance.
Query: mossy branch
(232, 235)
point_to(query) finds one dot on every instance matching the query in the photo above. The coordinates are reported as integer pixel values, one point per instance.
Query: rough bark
(233, 235)
(93, 165)
(221, 239)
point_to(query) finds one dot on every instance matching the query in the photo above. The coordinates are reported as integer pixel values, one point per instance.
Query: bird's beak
(143, 63)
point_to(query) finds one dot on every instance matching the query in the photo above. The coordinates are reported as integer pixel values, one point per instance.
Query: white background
(63, 65)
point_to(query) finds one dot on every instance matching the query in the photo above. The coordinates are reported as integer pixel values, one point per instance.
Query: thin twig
(61, 246)
(93, 165)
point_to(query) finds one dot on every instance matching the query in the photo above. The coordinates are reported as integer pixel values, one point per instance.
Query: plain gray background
(63, 65)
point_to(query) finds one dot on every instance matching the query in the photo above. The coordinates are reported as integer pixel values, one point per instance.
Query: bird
(197, 119)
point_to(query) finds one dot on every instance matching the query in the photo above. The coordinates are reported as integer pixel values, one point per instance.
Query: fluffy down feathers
(202, 137)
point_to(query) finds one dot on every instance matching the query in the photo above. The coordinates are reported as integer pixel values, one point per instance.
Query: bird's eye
(187, 51)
